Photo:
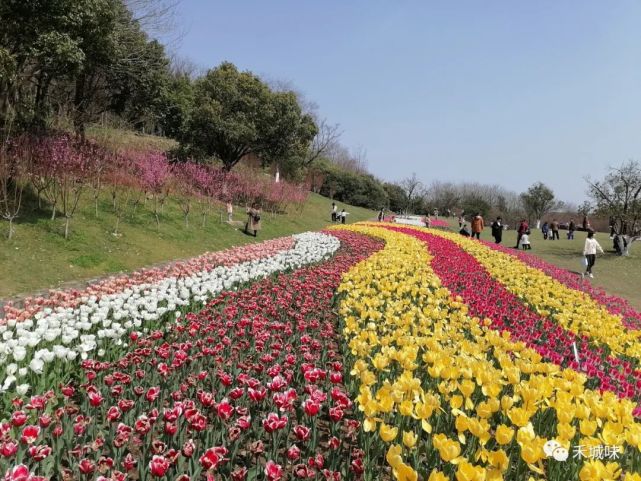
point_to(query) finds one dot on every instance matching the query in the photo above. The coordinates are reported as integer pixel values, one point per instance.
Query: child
(464, 231)
(343, 216)
(525, 241)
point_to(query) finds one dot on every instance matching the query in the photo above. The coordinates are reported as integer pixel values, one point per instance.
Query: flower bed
(249, 388)
(31, 349)
(615, 305)
(114, 285)
(463, 275)
(445, 396)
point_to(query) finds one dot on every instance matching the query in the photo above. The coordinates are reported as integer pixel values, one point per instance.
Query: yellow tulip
(409, 439)
(469, 472)
(592, 470)
(436, 475)
(531, 453)
(387, 433)
(504, 434)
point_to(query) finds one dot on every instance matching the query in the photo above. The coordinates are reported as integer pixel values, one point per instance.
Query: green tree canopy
(235, 114)
(538, 200)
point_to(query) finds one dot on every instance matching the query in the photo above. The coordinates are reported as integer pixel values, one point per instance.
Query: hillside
(39, 257)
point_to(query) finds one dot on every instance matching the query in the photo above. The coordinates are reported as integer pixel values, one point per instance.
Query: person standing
(554, 227)
(334, 212)
(230, 211)
(253, 220)
(477, 226)
(523, 228)
(460, 221)
(497, 230)
(545, 230)
(571, 229)
(343, 216)
(381, 215)
(589, 251)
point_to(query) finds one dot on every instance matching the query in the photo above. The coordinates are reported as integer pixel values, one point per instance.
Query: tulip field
(371, 351)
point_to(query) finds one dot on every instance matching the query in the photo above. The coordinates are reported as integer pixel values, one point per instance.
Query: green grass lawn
(38, 257)
(620, 276)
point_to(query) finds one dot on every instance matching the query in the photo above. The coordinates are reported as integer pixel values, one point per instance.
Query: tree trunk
(53, 212)
(67, 220)
(10, 235)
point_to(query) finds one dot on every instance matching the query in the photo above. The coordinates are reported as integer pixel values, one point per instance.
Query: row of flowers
(616, 305)
(463, 275)
(251, 387)
(35, 351)
(569, 308)
(446, 396)
(57, 299)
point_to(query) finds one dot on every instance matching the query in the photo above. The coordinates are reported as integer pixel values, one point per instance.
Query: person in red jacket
(523, 228)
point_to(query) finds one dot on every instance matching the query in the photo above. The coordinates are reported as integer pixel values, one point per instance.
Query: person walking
(545, 230)
(343, 216)
(230, 211)
(554, 227)
(523, 228)
(589, 251)
(497, 230)
(253, 220)
(334, 210)
(571, 229)
(477, 225)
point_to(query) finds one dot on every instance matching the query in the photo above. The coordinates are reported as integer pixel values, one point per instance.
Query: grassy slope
(39, 257)
(619, 276)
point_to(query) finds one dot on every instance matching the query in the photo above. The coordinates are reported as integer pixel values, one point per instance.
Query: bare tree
(156, 17)
(413, 189)
(325, 139)
(618, 195)
(14, 176)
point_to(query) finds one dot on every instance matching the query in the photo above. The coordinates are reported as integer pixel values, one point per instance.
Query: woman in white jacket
(589, 251)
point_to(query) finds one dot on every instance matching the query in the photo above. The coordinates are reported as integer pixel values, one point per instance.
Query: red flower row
(615, 305)
(463, 275)
(251, 387)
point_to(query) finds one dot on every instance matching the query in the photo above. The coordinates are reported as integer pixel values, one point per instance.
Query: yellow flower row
(572, 309)
(451, 398)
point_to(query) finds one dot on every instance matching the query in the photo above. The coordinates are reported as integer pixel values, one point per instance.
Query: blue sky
(492, 91)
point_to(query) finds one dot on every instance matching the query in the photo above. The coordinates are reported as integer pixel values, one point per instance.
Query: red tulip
(293, 453)
(18, 473)
(8, 449)
(18, 418)
(152, 393)
(302, 433)
(224, 410)
(213, 457)
(38, 453)
(159, 465)
(239, 474)
(86, 466)
(30, 434)
(311, 407)
(273, 471)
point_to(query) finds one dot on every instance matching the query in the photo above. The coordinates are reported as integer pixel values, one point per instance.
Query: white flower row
(97, 324)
